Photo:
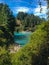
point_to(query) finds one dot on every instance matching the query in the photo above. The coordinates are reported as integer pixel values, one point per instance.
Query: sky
(27, 6)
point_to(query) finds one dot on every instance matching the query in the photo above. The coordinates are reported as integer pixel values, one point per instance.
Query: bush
(4, 57)
(36, 51)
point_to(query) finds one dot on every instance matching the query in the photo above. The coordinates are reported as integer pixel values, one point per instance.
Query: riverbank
(14, 48)
(20, 39)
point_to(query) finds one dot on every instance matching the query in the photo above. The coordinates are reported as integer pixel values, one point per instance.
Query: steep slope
(36, 52)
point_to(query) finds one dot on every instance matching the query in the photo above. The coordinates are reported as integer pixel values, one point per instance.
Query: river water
(22, 38)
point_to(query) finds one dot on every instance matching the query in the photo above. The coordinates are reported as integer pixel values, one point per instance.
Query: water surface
(22, 38)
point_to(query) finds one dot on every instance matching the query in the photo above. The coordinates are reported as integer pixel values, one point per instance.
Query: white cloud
(37, 10)
(43, 12)
(21, 9)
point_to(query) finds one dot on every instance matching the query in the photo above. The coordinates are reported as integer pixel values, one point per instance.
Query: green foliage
(2, 39)
(6, 38)
(6, 18)
(36, 52)
(28, 21)
(21, 15)
(4, 57)
(7, 25)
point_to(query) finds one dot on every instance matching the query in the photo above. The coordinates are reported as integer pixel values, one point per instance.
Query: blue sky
(28, 6)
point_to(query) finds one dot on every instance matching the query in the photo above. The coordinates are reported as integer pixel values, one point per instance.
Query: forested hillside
(36, 52)
(7, 25)
(27, 22)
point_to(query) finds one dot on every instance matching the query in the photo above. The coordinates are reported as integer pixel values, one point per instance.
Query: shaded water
(22, 37)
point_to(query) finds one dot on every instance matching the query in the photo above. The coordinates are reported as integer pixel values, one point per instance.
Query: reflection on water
(21, 38)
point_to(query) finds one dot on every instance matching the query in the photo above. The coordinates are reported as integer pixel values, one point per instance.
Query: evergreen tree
(7, 24)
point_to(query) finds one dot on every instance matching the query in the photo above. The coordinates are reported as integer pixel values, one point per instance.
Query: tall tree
(6, 17)
(7, 23)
